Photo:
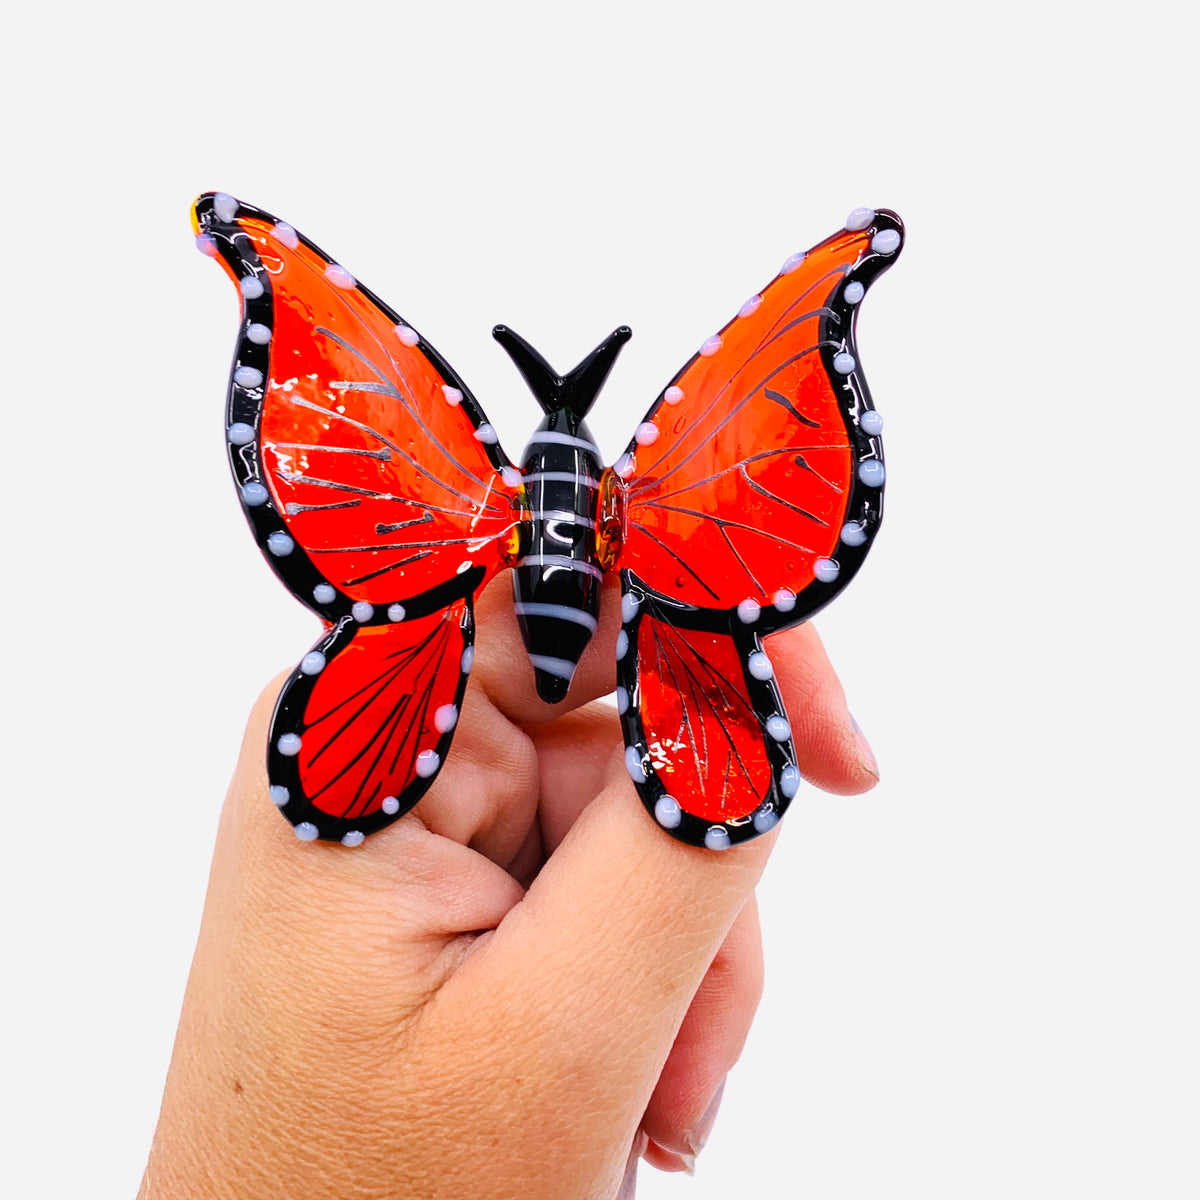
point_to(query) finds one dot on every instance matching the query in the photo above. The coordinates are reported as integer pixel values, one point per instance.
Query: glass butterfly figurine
(378, 492)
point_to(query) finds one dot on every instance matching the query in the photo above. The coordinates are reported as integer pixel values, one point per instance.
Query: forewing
(363, 725)
(362, 460)
(756, 478)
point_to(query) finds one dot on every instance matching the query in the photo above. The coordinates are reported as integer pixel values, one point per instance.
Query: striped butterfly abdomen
(556, 585)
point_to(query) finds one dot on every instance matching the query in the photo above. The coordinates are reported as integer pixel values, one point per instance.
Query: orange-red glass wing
(707, 740)
(355, 446)
(380, 496)
(747, 499)
(755, 476)
(366, 720)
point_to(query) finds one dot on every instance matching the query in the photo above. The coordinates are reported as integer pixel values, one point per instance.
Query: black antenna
(577, 390)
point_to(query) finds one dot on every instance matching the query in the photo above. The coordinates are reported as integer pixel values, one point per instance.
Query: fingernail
(696, 1137)
(669, 1160)
(866, 755)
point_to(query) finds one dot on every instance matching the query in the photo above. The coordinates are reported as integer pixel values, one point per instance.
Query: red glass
(748, 497)
(703, 736)
(746, 486)
(374, 710)
(378, 476)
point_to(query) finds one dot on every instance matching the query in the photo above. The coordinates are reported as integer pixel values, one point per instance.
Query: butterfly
(377, 490)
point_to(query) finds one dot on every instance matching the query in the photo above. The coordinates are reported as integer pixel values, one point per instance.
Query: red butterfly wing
(697, 743)
(708, 743)
(366, 720)
(751, 494)
(350, 437)
(381, 498)
(748, 469)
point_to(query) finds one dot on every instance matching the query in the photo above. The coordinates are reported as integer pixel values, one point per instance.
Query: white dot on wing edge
(225, 206)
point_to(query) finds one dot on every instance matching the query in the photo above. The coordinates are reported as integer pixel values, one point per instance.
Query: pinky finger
(683, 1106)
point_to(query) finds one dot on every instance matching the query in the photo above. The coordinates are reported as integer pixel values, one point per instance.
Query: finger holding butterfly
(574, 751)
(489, 804)
(576, 754)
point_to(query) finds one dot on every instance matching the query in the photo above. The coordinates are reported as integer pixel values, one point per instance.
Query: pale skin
(518, 989)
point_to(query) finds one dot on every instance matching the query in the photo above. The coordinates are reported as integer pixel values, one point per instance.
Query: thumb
(593, 971)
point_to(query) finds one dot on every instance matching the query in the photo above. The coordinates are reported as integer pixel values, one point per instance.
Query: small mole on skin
(237, 1088)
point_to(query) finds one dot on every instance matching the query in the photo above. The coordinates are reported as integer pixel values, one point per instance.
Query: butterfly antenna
(577, 390)
(583, 384)
(544, 382)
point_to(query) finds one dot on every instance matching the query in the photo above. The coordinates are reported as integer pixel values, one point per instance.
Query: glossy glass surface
(374, 711)
(372, 481)
(703, 737)
(745, 483)
(366, 448)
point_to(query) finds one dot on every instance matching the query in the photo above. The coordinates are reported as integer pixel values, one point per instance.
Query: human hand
(514, 991)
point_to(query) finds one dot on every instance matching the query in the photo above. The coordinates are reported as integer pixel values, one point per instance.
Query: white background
(982, 978)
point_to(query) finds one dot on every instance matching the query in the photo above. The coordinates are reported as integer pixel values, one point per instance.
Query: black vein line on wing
(697, 695)
(396, 394)
(720, 522)
(742, 562)
(369, 799)
(744, 462)
(378, 686)
(430, 676)
(391, 723)
(658, 541)
(402, 562)
(413, 728)
(380, 740)
(784, 402)
(295, 509)
(762, 491)
(384, 455)
(767, 336)
(293, 477)
(491, 537)
(840, 270)
(363, 385)
(646, 475)
(706, 437)
(802, 462)
(408, 458)
(381, 528)
(685, 726)
(775, 336)
(379, 683)
(728, 693)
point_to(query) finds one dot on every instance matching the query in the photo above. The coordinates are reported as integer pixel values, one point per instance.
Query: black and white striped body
(556, 585)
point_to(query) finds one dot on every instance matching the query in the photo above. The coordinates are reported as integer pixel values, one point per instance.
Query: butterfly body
(556, 586)
(378, 491)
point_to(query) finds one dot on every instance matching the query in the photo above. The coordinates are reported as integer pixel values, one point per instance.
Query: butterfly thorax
(556, 585)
